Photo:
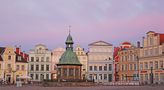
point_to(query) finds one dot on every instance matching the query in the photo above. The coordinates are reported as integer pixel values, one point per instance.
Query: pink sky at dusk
(29, 22)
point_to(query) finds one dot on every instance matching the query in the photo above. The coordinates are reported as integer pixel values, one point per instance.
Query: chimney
(138, 44)
(17, 50)
(23, 54)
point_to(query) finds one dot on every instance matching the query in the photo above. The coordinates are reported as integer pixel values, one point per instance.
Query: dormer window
(19, 58)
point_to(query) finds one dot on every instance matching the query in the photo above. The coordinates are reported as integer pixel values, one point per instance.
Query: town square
(81, 44)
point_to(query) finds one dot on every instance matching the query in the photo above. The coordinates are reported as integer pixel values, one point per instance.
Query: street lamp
(138, 68)
(151, 75)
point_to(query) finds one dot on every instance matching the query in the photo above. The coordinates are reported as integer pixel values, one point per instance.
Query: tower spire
(69, 28)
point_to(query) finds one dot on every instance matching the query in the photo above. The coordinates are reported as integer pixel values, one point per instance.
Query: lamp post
(151, 75)
(138, 68)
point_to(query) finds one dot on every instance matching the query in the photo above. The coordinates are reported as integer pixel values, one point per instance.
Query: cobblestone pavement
(84, 88)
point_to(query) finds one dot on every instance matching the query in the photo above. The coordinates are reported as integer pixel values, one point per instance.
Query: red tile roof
(161, 38)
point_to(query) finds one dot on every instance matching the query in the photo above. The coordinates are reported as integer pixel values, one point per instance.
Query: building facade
(100, 62)
(39, 63)
(151, 58)
(128, 63)
(83, 58)
(13, 64)
(56, 55)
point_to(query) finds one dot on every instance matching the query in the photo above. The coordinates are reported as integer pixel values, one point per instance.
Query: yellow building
(152, 58)
(11, 59)
(82, 56)
(128, 63)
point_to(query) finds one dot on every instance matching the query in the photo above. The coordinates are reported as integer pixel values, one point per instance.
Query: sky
(31, 22)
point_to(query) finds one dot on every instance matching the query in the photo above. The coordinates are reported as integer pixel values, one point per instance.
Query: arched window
(9, 57)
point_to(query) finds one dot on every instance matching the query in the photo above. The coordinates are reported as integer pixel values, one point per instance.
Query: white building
(40, 63)
(82, 56)
(100, 62)
(56, 55)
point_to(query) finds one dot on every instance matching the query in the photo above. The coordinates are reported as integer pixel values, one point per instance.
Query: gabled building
(151, 58)
(100, 62)
(83, 58)
(13, 64)
(39, 66)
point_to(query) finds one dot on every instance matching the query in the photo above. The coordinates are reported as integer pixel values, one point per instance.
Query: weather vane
(69, 28)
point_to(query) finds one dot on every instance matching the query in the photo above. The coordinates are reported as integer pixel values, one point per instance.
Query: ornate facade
(39, 66)
(151, 58)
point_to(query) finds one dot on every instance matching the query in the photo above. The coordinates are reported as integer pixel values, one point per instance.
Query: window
(105, 67)
(37, 67)
(32, 76)
(100, 68)
(64, 72)
(95, 68)
(130, 67)
(71, 71)
(135, 66)
(90, 68)
(141, 66)
(42, 67)
(17, 68)
(36, 76)
(146, 65)
(161, 64)
(32, 59)
(156, 64)
(19, 58)
(47, 67)
(151, 64)
(37, 59)
(9, 57)
(9, 66)
(146, 52)
(126, 67)
(100, 76)
(23, 68)
(122, 67)
(110, 77)
(47, 76)
(110, 67)
(47, 59)
(105, 76)
(32, 68)
(42, 59)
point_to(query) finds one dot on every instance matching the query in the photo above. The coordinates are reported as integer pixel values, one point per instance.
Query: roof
(69, 58)
(100, 43)
(69, 39)
(126, 43)
(23, 60)
(2, 49)
(161, 39)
